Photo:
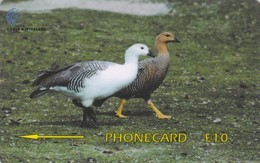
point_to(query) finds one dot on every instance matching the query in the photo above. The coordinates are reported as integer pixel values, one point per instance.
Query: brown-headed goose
(151, 73)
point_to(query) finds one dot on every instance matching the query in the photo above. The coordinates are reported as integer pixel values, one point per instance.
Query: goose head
(137, 50)
(166, 37)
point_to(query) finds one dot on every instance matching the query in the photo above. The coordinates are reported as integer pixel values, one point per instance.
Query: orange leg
(158, 113)
(120, 109)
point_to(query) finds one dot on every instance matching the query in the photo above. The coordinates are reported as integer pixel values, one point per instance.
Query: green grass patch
(211, 87)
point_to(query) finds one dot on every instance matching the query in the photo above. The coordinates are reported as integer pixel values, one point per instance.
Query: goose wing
(71, 76)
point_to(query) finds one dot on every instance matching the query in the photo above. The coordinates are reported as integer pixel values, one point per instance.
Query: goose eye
(142, 47)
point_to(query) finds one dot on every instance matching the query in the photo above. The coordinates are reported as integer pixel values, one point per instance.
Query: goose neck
(131, 59)
(161, 48)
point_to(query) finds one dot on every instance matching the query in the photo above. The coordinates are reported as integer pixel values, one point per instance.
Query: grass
(211, 87)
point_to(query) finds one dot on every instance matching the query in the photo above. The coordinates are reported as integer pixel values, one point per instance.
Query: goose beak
(151, 54)
(176, 40)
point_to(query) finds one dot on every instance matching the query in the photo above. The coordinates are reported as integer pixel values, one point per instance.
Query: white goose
(88, 81)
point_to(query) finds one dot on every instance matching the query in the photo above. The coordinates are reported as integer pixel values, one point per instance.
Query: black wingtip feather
(45, 74)
(42, 76)
(38, 92)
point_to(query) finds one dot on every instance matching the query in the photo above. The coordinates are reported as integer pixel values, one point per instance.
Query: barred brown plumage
(147, 78)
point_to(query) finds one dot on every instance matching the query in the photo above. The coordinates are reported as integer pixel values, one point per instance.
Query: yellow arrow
(51, 137)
